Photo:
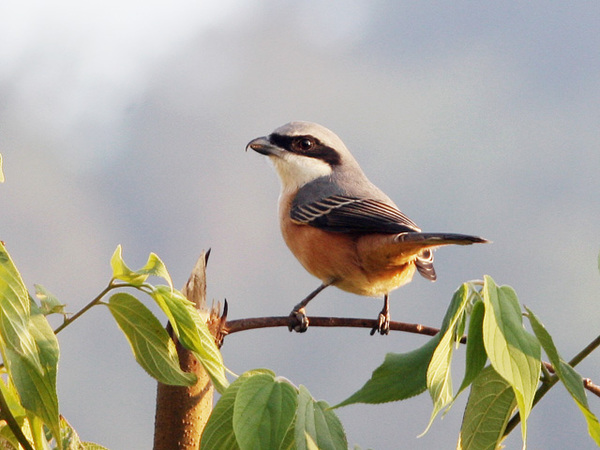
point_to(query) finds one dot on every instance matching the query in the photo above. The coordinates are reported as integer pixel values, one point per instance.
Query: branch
(234, 326)
(593, 388)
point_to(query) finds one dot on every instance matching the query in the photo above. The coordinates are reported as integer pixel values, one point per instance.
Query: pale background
(125, 123)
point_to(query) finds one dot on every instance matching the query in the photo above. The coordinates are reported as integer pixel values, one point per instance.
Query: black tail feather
(440, 238)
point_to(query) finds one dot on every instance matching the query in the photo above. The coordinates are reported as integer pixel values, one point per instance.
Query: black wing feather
(340, 213)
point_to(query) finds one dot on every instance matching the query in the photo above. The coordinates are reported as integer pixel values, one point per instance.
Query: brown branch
(235, 326)
(594, 388)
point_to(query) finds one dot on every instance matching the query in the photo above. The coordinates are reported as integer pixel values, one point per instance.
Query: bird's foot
(383, 323)
(298, 321)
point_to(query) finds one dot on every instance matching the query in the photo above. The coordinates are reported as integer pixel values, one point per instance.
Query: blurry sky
(126, 122)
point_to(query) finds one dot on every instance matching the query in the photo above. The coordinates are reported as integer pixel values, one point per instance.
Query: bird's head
(302, 152)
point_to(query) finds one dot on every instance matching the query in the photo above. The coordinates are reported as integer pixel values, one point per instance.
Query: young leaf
(218, 432)
(264, 409)
(317, 426)
(122, 272)
(514, 353)
(192, 332)
(49, 303)
(491, 404)
(154, 266)
(439, 380)
(29, 346)
(152, 346)
(569, 377)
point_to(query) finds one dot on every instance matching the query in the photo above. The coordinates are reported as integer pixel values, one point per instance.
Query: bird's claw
(298, 321)
(383, 324)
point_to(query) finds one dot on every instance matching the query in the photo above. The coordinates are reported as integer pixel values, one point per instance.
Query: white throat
(295, 170)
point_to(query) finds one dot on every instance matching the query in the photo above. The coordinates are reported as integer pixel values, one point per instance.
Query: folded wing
(343, 214)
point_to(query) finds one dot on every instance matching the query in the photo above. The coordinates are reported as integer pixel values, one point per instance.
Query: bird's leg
(298, 319)
(383, 321)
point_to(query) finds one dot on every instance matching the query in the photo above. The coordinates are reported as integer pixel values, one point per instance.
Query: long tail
(385, 251)
(435, 239)
(427, 241)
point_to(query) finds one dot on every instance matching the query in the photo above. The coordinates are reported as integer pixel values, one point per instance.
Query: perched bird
(342, 228)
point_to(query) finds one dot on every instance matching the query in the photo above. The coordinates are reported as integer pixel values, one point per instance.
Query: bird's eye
(305, 144)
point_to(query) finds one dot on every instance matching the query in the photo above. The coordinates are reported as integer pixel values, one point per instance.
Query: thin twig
(585, 352)
(547, 385)
(6, 414)
(112, 285)
(74, 317)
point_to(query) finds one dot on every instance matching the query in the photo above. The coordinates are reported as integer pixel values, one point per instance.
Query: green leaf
(154, 266)
(404, 375)
(289, 440)
(514, 353)
(461, 325)
(49, 303)
(264, 409)
(69, 437)
(569, 377)
(152, 346)
(8, 441)
(15, 310)
(476, 356)
(38, 431)
(28, 345)
(11, 403)
(218, 433)
(491, 404)
(11, 396)
(192, 332)
(401, 376)
(122, 272)
(317, 426)
(439, 380)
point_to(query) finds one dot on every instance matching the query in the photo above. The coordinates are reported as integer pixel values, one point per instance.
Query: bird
(343, 229)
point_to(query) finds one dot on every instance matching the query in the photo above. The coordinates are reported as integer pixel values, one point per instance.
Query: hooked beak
(263, 146)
